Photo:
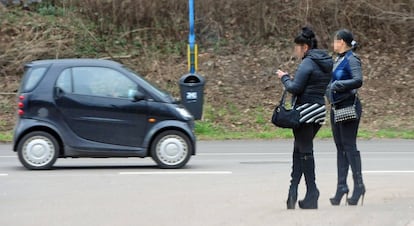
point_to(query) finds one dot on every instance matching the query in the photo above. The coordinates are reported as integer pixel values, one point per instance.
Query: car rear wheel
(38, 150)
(171, 149)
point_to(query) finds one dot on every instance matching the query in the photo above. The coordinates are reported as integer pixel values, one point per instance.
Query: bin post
(192, 47)
(192, 84)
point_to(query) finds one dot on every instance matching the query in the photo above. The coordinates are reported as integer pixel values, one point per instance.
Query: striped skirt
(312, 113)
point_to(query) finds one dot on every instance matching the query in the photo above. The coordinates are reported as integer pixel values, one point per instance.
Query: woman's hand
(280, 73)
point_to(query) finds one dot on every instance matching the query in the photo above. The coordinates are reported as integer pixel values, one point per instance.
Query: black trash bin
(192, 94)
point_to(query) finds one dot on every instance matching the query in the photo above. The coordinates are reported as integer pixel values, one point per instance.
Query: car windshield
(148, 84)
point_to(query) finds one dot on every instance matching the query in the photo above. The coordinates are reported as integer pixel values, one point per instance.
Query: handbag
(346, 114)
(283, 117)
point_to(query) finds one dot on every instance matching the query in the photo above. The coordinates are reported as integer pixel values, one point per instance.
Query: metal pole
(192, 47)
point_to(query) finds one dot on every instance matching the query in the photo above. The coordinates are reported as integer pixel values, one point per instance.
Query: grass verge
(207, 131)
(6, 136)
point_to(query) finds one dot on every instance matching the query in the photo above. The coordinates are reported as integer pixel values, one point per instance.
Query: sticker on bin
(191, 95)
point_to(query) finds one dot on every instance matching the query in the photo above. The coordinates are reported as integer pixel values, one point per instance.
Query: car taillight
(20, 105)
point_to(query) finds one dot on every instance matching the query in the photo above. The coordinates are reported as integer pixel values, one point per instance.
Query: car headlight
(184, 113)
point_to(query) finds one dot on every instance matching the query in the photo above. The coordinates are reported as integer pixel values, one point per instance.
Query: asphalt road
(227, 183)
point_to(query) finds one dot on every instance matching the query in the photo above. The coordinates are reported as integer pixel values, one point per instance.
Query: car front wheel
(171, 149)
(38, 150)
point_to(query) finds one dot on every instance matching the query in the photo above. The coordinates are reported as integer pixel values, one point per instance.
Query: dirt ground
(240, 78)
(243, 76)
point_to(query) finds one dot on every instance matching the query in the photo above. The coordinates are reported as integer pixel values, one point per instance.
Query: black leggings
(304, 137)
(345, 133)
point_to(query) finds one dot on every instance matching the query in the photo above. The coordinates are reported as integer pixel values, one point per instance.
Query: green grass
(277, 133)
(49, 10)
(6, 136)
(208, 131)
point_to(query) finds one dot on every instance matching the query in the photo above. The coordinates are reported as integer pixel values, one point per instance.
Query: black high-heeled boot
(311, 200)
(359, 191)
(354, 159)
(312, 193)
(342, 188)
(296, 174)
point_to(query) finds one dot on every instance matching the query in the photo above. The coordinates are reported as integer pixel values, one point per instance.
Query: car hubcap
(38, 151)
(172, 150)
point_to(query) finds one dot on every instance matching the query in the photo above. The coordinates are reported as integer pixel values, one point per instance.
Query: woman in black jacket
(308, 86)
(342, 92)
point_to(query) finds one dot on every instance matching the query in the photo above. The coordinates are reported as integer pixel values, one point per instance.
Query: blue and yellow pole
(192, 50)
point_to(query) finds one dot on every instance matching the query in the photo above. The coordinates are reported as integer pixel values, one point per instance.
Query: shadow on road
(103, 167)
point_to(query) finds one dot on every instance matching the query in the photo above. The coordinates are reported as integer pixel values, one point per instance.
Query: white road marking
(264, 153)
(178, 173)
(387, 171)
(3, 174)
(289, 153)
(232, 154)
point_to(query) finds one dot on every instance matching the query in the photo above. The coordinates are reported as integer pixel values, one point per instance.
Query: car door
(97, 104)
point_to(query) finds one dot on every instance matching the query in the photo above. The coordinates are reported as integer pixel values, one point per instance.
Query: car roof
(75, 62)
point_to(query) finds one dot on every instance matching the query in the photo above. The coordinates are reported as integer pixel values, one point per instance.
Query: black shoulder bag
(285, 118)
(346, 114)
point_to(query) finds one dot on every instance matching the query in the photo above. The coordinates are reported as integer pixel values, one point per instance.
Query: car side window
(100, 81)
(64, 81)
(32, 78)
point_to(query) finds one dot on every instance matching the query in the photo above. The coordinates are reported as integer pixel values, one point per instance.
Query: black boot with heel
(354, 159)
(341, 190)
(342, 187)
(312, 193)
(294, 182)
(359, 191)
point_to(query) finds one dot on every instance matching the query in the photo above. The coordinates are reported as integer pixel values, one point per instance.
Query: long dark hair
(307, 37)
(348, 38)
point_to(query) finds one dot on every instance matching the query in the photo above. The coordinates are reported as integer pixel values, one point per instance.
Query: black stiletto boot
(359, 191)
(312, 193)
(294, 182)
(310, 201)
(342, 188)
(354, 159)
(292, 198)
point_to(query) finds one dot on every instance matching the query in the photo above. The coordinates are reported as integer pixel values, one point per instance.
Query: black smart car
(97, 108)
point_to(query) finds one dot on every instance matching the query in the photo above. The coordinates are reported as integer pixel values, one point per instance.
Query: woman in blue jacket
(342, 92)
(308, 86)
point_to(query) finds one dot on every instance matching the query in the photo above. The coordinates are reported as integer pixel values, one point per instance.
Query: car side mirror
(138, 96)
